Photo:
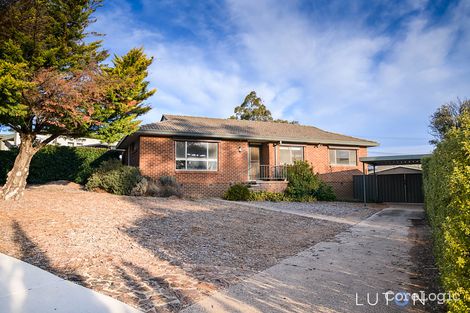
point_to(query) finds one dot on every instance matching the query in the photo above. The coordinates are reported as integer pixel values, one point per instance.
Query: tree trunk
(16, 179)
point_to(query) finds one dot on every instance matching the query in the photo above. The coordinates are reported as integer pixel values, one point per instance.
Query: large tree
(53, 80)
(446, 117)
(254, 109)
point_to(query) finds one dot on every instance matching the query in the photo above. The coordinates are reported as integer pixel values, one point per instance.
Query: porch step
(269, 185)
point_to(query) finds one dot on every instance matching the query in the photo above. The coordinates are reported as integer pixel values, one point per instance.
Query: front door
(254, 162)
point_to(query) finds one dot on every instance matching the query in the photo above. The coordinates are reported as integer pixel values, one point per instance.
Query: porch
(258, 172)
(268, 161)
(263, 163)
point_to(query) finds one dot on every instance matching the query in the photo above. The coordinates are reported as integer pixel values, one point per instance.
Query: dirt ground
(156, 254)
(424, 273)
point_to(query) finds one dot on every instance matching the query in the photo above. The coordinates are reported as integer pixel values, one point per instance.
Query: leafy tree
(446, 117)
(53, 81)
(253, 109)
(285, 121)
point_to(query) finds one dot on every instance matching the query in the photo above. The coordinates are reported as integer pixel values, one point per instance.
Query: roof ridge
(169, 116)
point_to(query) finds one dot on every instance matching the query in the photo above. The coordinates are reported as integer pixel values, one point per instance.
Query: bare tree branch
(46, 141)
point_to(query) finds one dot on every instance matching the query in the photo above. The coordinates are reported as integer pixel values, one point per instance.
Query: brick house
(207, 155)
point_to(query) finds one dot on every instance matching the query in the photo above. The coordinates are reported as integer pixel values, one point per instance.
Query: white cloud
(341, 76)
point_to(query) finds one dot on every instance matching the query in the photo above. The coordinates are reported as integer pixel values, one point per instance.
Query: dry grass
(153, 253)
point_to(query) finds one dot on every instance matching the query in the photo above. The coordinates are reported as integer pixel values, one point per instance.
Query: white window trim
(287, 147)
(207, 160)
(333, 162)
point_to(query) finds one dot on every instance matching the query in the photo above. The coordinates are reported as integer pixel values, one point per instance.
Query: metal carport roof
(388, 160)
(395, 159)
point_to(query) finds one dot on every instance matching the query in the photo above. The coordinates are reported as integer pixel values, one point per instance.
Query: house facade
(207, 155)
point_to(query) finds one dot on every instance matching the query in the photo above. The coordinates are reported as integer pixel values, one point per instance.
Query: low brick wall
(271, 186)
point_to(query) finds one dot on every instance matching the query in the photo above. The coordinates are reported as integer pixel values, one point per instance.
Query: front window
(290, 154)
(343, 157)
(196, 155)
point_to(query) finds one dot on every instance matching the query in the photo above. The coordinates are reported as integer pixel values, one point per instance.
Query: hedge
(59, 163)
(447, 200)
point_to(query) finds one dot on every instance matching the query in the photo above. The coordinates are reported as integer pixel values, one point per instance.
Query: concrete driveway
(26, 288)
(371, 258)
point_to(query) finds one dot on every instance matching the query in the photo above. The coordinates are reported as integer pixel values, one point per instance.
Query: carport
(389, 188)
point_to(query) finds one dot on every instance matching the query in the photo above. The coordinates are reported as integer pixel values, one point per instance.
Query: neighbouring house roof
(205, 127)
(396, 169)
(7, 136)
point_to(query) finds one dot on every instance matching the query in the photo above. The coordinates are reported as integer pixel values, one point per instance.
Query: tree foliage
(447, 117)
(53, 80)
(253, 109)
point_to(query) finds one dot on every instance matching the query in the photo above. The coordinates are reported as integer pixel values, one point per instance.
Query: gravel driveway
(337, 209)
(156, 254)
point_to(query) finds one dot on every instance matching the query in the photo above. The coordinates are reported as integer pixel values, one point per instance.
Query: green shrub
(7, 158)
(141, 188)
(115, 178)
(267, 196)
(306, 186)
(325, 193)
(237, 192)
(147, 186)
(53, 163)
(447, 200)
(169, 187)
(303, 183)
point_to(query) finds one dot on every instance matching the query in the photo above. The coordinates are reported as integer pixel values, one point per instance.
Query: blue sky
(372, 69)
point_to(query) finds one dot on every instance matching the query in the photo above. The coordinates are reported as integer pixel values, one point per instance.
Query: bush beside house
(237, 192)
(304, 186)
(54, 163)
(113, 177)
(447, 199)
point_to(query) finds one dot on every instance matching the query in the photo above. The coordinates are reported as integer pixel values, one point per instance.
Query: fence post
(364, 183)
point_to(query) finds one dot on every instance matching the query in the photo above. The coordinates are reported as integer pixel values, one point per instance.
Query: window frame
(333, 162)
(207, 159)
(302, 148)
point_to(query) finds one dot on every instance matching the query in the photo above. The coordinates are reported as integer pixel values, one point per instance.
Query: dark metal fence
(390, 188)
(268, 172)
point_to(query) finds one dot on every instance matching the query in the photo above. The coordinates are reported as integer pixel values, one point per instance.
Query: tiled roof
(192, 126)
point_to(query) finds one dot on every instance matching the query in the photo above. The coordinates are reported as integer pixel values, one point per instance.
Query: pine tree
(54, 81)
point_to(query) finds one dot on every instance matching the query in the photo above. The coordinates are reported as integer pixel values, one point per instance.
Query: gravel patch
(159, 255)
(337, 209)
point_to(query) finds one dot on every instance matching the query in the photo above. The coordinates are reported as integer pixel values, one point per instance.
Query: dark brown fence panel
(414, 188)
(358, 188)
(390, 188)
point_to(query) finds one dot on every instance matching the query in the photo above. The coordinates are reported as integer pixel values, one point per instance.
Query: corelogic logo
(401, 298)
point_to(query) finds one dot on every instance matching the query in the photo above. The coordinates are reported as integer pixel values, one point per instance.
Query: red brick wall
(339, 177)
(157, 158)
(271, 186)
